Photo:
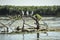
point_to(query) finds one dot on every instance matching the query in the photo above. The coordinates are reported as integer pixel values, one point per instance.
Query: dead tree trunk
(23, 25)
(37, 23)
(7, 29)
(36, 19)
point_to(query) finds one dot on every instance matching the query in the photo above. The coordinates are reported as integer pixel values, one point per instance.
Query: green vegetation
(38, 16)
(41, 10)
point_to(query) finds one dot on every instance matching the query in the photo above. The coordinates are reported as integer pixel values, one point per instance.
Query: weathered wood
(36, 19)
(7, 29)
(23, 25)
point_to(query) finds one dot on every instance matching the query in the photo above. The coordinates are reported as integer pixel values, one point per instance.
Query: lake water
(31, 36)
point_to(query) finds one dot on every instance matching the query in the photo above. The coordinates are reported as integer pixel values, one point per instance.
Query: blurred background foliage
(41, 10)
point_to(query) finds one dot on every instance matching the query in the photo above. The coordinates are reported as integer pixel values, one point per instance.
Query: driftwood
(37, 22)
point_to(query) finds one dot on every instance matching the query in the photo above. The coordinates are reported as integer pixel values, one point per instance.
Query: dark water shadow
(37, 36)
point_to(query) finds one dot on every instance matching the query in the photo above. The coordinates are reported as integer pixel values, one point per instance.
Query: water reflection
(23, 36)
(31, 36)
(37, 36)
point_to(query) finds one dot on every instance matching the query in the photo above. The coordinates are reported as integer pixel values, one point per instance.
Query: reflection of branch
(23, 36)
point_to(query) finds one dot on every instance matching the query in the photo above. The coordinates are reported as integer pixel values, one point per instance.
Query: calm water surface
(31, 36)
